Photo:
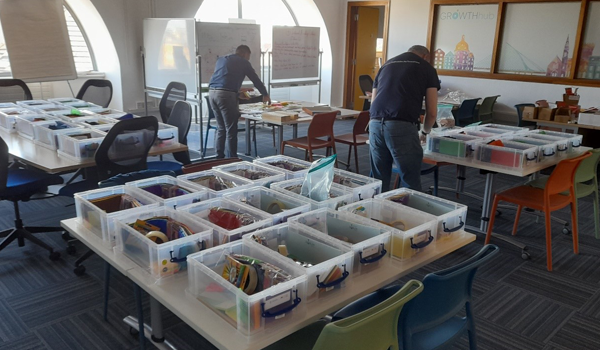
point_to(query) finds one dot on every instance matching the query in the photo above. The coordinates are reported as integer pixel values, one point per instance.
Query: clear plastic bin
(326, 262)
(453, 144)
(494, 130)
(413, 232)
(46, 134)
(265, 310)
(291, 167)
(258, 174)
(70, 115)
(34, 104)
(8, 115)
(169, 191)
(338, 195)
(278, 205)
(81, 105)
(104, 112)
(24, 123)
(451, 216)
(514, 155)
(97, 123)
(507, 128)
(574, 140)
(216, 183)
(52, 109)
(8, 105)
(369, 242)
(164, 259)
(98, 209)
(227, 227)
(362, 187)
(562, 144)
(64, 100)
(547, 149)
(79, 145)
(167, 135)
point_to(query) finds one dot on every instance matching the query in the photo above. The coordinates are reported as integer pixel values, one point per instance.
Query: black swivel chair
(465, 114)
(174, 92)
(12, 90)
(98, 91)
(366, 84)
(485, 112)
(519, 108)
(20, 185)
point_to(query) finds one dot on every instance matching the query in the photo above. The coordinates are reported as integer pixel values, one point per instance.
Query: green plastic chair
(374, 329)
(586, 172)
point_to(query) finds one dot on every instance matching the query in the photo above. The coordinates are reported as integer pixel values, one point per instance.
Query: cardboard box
(562, 115)
(571, 100)
(546, 113)
(279, 116)
(530, 112)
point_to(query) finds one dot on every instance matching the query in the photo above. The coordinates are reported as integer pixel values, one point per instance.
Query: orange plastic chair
(320, 126)
(357, 137)
(547, 200)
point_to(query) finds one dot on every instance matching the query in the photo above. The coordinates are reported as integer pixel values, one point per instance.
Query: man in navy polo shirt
(396, 104)
(224, 86)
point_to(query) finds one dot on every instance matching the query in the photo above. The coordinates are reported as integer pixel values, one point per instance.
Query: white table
(219, 332)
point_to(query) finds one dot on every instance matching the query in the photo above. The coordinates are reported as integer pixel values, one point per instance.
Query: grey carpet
(519, 305)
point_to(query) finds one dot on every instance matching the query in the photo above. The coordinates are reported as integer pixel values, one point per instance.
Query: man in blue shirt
(224, 86)
(396, 103)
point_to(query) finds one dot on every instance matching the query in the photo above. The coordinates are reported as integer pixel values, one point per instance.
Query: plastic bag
(317, 182)
(445, 119)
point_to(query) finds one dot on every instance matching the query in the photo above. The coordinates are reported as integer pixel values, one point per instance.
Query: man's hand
(267, 99)
(422, 137)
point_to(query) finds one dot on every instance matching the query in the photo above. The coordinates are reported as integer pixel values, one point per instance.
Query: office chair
(20, 185)
(519, 107)
(320, 126)
(181, 117)
(465, 114)
(174, 92)
(485, 112)
(12, 90)
(356, 138)
(366, 85)
(98, 91)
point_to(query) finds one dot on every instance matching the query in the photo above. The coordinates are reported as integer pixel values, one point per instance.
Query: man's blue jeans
(395, 142)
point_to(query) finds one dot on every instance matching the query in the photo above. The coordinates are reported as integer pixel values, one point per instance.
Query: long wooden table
(219, 332)
(27, 152)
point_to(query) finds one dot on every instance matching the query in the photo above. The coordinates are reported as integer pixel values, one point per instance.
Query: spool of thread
(157, 237)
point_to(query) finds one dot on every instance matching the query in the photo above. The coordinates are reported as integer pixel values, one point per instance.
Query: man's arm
(431, 100)
(251, 74)
(373, 93)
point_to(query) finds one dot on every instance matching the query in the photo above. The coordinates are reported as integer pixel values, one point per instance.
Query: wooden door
(366, 45)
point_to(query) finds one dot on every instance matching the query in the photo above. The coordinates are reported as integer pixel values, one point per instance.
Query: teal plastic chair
(373, 329)
(586, 183)
(430, 320)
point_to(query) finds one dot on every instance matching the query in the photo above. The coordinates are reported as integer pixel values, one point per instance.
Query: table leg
(137, 291)
(248, 141)
(156, 321)
(460, 178)
(294, 131)
(280, 133)
(488, 195)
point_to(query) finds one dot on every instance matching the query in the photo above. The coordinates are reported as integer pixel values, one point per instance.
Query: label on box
(367, 252)
(278, 300)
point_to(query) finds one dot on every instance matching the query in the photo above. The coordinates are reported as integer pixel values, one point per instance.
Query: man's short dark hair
(242, 49)
(419, 50)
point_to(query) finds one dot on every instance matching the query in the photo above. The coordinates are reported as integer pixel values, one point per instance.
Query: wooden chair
(547, 200)
(356, 138)
(320, 126)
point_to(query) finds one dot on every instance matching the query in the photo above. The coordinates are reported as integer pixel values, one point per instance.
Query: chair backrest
(563, 176)
(374, 329)
(366, 83)
(321, 125)
(207, 164)
(588, 167)
(445, 294)
(174, 92)
(12, 90)
(211, 113)
(125, 147)
(3, 164)
(98, 91)
(181, 117)
(519, 108)
(361, 123)
(487, 106)
(467, 108)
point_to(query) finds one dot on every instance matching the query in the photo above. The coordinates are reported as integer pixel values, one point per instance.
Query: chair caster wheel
(134, 332)
(71, 250)
(79, 270)
(525, 255)
(566, 231)
(54, 256)
(66, 236)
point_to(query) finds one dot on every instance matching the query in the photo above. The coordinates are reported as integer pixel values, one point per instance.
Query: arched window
(81, 51)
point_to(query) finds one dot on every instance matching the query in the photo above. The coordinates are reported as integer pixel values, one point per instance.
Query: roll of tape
(399, 224)
(275, 205)
(157, 237)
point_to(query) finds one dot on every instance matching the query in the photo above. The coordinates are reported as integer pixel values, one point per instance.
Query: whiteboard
(295, 52)
(221, 39)
(170, 52)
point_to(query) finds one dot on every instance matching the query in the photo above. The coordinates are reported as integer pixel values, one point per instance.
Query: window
(81, 52)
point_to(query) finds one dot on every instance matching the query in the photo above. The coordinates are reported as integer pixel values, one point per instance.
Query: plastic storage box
(369, 242)
(338, 195)
(46, 134)
(35, 104)
(514, 155)
(167, 258)
(169, 191)
(548, 149)
(52, 109)
(454, 144)
(574, 140)
(64, 100)
(413, 232)
(266, 310)
(98, 209)
(79, 145)
(216, 183)
(451, 216)
(258, 174)
(81, 105)
(167, 135)
(507, 128)
(104, 112)
(362, 187)
(230, 220)
(291, 167)
(25, 122)
(8, 115)
(70, 115)
(326, 262)
(278, 205)
(97, 123)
